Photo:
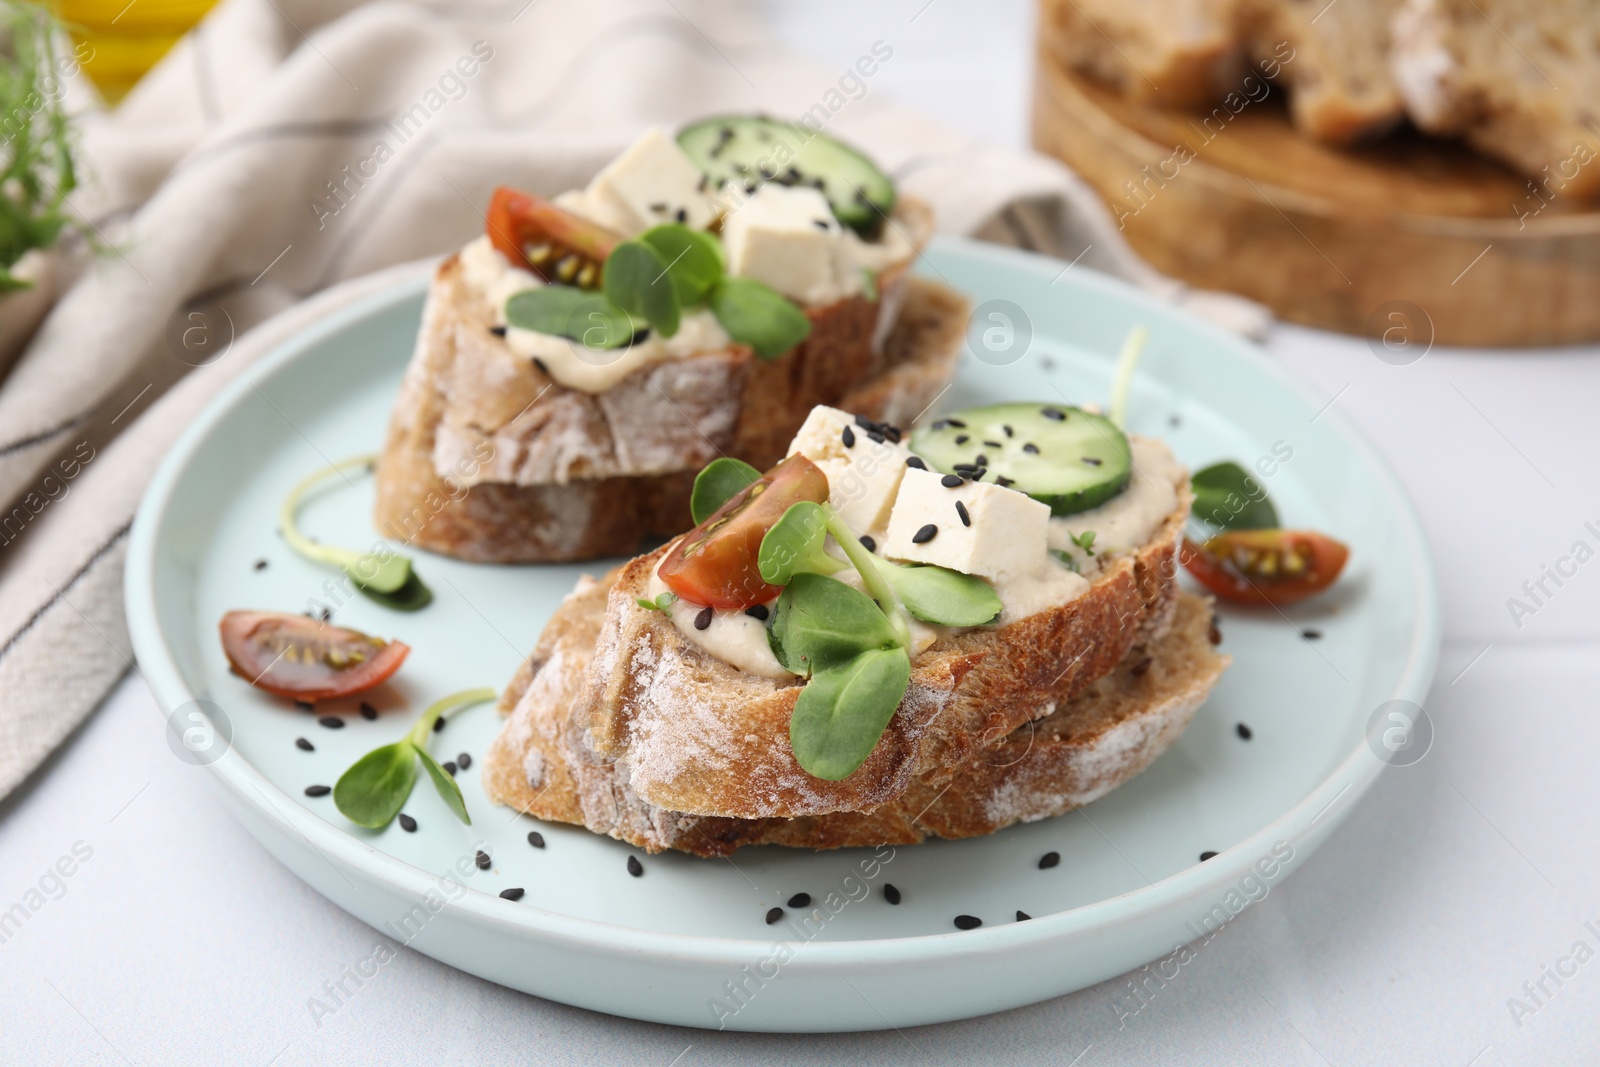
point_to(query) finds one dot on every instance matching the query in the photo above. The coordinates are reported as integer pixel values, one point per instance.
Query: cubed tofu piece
(785, 237)
(863, 477)
(1007, 538)
(651, 183)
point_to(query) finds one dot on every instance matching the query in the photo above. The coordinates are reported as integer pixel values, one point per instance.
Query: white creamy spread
(735, 638)
(1121, 525)
(1128, 519)
(569, 362)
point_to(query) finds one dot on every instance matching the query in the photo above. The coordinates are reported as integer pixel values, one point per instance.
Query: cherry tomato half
(555, 244)
(1276, 567)
(304, 659)
(715, 563)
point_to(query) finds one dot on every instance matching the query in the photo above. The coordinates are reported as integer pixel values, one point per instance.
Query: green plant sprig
(375, 788)
(38, 169)
(383, 576)
(1122, 376)
(1229, 497)
(652, 280)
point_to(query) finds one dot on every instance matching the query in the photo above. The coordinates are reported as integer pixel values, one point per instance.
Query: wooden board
(1466, 251)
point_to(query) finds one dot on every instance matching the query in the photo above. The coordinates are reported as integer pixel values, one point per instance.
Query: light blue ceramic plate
(688, 942)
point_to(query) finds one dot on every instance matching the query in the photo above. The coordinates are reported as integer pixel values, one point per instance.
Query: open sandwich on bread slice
(874, 642)
(579, 362)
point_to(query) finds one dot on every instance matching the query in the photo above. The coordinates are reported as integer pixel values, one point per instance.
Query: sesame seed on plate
(916, 461)
(368, 712)
(407, 823)
(261, 565)
(961, 510)
(1206, 855)
(848, 436)
(318, 790)
(962, 438)
(514, 893)
(1007, 429)
(924, 535)
(682, 215)
(449, 767)
(1244, 731)
(1093, 461)
(482, 860)
(981, 461)
(1055, 414)
(757, 611)
(951, 481)
(1023, 916)
(635, 868)
(1048, 860)
(867, 543)
(303, 745)
(968, 922)
(993, 444)
(875, 437)
(304, 705)
(890, 893)
(703, 618)
(800, 900)
(464, 761)
(332, 722)
(1311, 635)
(773, 915)
(498, 331)
(438, 724)
(536, 839)
(1031, 449)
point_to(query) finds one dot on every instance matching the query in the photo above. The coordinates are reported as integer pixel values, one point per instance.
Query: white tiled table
(1455, 882)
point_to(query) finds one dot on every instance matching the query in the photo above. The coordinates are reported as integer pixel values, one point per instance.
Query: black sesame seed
(498, 331)
(916, 462)
(635, 868)
(1031, 449)
(1244, 731)
(962, 438)
(464, 761)
(800, 900)
(318, 790)
(1206, 855)
(981, 461)
(1023, 916)
(261, 565)
(1093, 461)
(659, 206)
(773, 915)
(951, 481)
(368, 712)
(1003, 481)
(303, 745)
(482, 860)
(968, 922)
(956, 423)
(438, 724)
(536, 839)
(543, 369)
(924, 535)
(514, 893)
(407, 823)
(890, 893)
(1048, 860)
(682, 215)
(757, 611)
(1007, 429)
(819, 224)
(703, 618)
(1053, 413)
(848, 437)
(978, 474)
(993, 444)
(868, 543)
(304, 705)
(332, 722)
(639, 338)
(891, 432)
(449, 767)
(704, 178)
(961, 509)
(324, 614)
(1311, 635)
(875, 437)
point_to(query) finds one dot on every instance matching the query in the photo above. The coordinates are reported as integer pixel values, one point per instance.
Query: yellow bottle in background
(128, 36)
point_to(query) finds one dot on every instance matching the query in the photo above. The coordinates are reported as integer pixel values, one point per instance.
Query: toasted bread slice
(1174, 53)
(1077, 752)
(658, 721)
(1340, 88)
(1518, 81)
(488, 459)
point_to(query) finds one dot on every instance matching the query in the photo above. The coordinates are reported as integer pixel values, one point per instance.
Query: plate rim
(286, 335)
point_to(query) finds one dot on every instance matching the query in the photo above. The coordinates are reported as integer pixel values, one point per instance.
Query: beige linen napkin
(287, 145)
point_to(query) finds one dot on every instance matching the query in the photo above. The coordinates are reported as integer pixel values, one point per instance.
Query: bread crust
(1078, 752)
(487, 459)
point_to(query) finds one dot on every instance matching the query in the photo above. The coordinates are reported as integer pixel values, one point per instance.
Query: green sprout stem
(1122, 381)
(375, 571)
(423, 730)
(877, 586)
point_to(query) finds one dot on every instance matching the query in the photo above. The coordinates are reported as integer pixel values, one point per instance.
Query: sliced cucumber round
(1063, 456)
(747, 150)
